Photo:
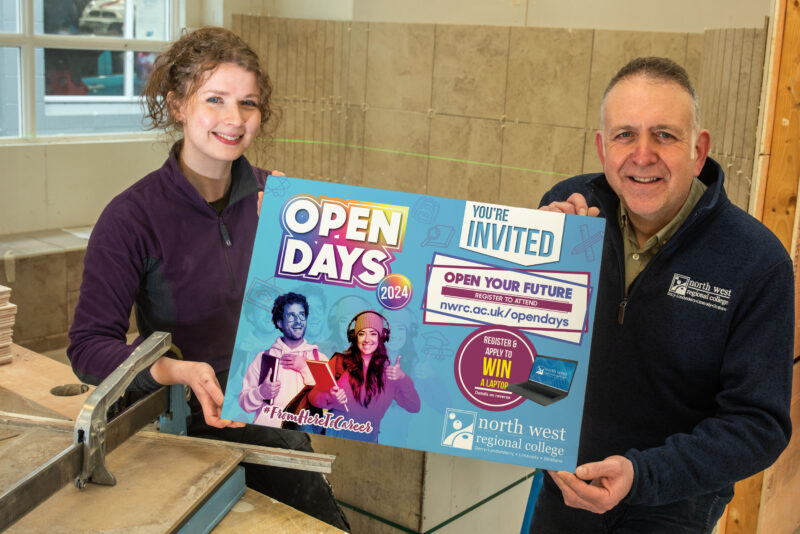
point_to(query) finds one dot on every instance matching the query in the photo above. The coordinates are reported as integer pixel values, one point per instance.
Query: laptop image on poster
(549, 382)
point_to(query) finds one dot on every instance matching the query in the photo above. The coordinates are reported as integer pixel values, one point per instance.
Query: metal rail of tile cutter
(94, 436)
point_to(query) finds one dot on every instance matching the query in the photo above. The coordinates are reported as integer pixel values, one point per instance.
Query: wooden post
(772, 496)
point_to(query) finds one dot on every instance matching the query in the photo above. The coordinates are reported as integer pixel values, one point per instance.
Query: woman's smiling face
(367, 340)
(221, 119)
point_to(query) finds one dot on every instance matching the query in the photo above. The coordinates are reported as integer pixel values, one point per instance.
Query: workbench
(164, 483)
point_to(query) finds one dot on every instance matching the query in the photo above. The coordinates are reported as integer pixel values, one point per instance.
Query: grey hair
(656, 68)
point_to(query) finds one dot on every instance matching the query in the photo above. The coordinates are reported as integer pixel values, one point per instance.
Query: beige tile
(473, 142)
(21, 245)
(339, 60)
(327, 99)
(548, 75)
(56, 342)
(396, 149)
(61, 239)
(591, 161)
(469, 70)
(386, 481)
(74, 262)
(279, 59)
(694, 57)
(354, 153)
(399, 66)
(356, 50)
(337, 136)
(613, 49)
(293, 39)
(268, 28)
(302, 38)
(535, 157)
(40, 293)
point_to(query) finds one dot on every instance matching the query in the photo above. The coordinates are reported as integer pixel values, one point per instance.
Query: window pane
(9, 92)
(140, 19)
(144, 65)
(84, 72)
(89, 91)
(9, 16)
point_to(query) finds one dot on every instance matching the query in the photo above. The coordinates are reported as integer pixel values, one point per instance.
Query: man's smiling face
(293, 324)
(649, 151)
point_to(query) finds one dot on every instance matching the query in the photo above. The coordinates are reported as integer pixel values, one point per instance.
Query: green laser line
(378, 518)
(417, 155)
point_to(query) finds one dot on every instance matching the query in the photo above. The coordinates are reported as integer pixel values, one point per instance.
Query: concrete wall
(65, 184)
(645, 15)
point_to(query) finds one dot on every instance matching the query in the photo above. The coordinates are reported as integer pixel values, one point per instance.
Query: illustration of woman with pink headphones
(366, 381)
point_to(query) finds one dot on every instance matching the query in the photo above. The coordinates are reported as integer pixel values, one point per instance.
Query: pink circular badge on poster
(490, 359)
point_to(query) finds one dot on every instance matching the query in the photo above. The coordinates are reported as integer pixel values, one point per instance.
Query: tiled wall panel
(729, 92)
(480, 112)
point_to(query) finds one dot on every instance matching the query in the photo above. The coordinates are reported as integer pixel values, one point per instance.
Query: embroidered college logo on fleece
(703, 293)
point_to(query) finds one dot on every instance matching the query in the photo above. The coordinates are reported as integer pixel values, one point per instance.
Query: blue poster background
(450, 422)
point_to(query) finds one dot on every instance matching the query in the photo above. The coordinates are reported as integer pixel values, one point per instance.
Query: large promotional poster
(422, 322)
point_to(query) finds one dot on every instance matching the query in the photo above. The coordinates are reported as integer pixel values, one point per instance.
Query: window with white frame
(78, 66)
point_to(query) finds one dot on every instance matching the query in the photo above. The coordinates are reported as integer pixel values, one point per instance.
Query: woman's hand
(201, 378)
(337, 396)
(394, 372)
(261, 193)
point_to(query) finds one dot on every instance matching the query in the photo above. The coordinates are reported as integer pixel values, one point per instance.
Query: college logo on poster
(459, 429)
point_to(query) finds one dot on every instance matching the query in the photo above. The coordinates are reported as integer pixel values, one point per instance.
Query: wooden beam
(783, 166)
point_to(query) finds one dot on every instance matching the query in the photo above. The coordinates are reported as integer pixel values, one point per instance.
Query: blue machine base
(215, 508)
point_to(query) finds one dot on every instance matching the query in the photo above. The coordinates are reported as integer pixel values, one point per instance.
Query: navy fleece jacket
(692, 382)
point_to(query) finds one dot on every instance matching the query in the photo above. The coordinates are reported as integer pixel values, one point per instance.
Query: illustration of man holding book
(277, 374)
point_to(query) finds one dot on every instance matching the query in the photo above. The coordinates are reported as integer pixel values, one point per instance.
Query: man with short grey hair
(690, 374)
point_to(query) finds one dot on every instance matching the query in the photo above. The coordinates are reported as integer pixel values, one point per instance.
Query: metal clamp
(90, 426)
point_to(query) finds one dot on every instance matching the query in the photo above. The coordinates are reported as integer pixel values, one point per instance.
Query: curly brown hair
(182, 68)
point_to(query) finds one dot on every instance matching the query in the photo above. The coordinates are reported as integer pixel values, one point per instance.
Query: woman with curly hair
(367, 381)
(176, 247)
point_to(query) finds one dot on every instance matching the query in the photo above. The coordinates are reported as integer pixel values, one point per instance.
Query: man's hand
(609, 482)
(201, 378)
(294, 361)
(394, 372)
(574, 205)
(269, 389)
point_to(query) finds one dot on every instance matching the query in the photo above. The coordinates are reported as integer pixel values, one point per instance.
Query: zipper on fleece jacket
(627, 292)
(621, 313)
(227, 244)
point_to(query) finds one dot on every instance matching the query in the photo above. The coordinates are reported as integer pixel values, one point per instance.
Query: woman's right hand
(336, 397)
(201, 378)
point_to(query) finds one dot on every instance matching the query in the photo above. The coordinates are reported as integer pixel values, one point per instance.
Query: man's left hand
(609, 482)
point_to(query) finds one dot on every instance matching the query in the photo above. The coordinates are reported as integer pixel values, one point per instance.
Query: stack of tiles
(7, 313)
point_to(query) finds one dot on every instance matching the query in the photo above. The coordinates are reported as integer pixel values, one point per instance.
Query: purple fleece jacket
(161, 247)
